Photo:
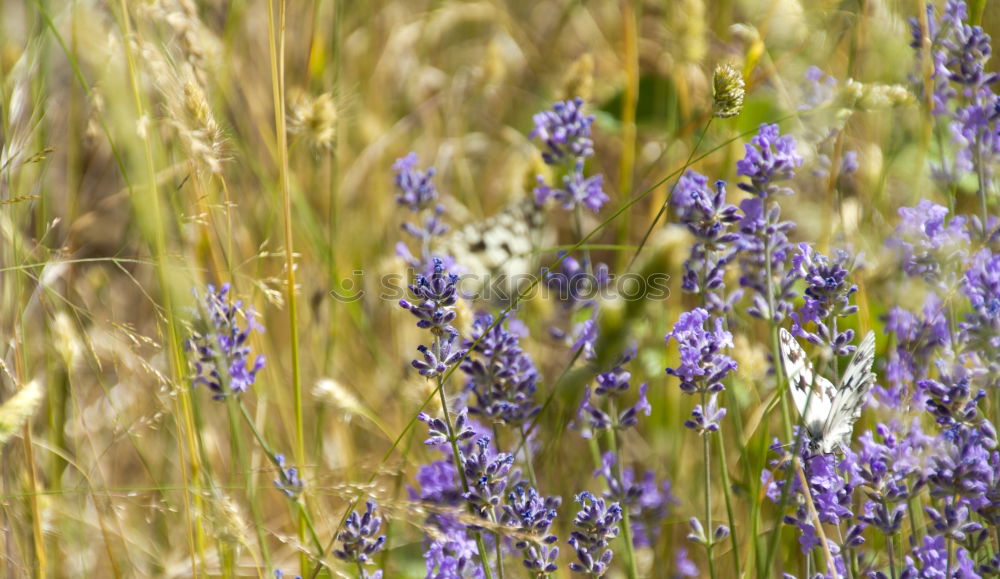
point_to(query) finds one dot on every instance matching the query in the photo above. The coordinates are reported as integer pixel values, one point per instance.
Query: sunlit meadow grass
(206, 370)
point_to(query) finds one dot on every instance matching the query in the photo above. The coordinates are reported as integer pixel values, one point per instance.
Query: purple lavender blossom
(708, 217)
(610, 386)
(702, 363)
(596, 524)
(220, 343)
(849, 163)
(763, 242)
(950, 398)
(931, 559)
(436, 361)
(452, 554)
(531, 515)
(577, 190)
(980, 331)
(416, 192)
(358, 540)
(925, 241)
(501, 375)
(960, 465)
(585, 337)
(433, 226)
(769, 158)
(706, 418)
(989, 507)
(890, 468)
(288, 480)
(565, 131)
(974, 131)
(831, 493)
(918, 339)
(435, 311)
(685, 567)
(438, 482)
(451, 551)
(820, 88)
(648, 503)
(959, 53)
(440, 436)
(437, 297)
(827, 297)
(953, 522)
(486, 472)
(832, 496)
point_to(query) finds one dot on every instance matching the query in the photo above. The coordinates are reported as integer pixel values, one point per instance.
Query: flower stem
(633, 572)
(983, 186)
(300, 505)
(527, 458)
(457, 459)
(724, 471)
(891, 548)
(707, 454)
(811, 507)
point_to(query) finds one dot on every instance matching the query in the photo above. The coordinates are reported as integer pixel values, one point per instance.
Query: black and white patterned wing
(813, 395)
(498, 251)
(850, 397)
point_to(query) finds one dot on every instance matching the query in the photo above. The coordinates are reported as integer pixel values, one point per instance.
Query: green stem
(630, 561)
(666, 202)
(983, 186)
(300, 506)
(527, 458)
(493, 514)
(724, 470)
(891, 548)
(707, 455)
(457, 458)
(244, 467)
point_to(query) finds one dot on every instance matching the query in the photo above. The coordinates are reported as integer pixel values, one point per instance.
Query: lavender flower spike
(565, 131)
(577, 190)
(416, 191)
(596, 524)
(770, 157)
(223, 354)
(358, 539)
(702, 363)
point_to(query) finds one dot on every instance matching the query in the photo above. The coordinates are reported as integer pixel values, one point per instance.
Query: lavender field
(498, 289)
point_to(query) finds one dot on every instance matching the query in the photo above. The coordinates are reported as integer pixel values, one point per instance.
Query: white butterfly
(828, 412)
(499, 252)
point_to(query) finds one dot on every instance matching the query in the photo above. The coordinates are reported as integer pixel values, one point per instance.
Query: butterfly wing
(850, 397)
(497, 251)
(813, 395)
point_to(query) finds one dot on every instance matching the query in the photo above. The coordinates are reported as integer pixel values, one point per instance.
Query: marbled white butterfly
(828, 412)
(499, 251)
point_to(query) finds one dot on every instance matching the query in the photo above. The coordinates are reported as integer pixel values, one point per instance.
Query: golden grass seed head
(729, 90)
(19, 409)
(314, 120)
